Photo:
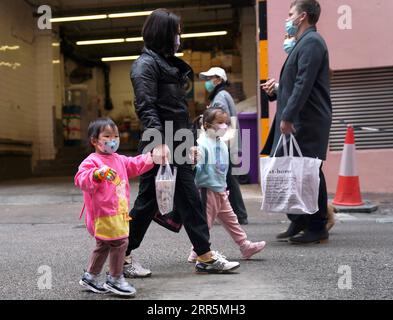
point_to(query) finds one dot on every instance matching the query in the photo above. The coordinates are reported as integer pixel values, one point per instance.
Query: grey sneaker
(89, 281)
(133, 269)
(119, 286)
(218, 264)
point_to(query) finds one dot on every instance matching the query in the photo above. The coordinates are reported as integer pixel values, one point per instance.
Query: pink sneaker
(192, 258)
(248, 248)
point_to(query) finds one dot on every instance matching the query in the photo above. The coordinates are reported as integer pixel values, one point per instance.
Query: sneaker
(119, 286)
(218, 264)
(192, 258)
(133, 269)
(89, 281)
(248, 248)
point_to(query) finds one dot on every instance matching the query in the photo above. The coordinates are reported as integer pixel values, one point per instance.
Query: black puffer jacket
(159, 86)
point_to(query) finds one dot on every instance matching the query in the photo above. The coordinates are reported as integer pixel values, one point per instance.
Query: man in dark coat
(304, 109)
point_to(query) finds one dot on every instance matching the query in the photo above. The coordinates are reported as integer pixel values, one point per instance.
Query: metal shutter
(363, 98)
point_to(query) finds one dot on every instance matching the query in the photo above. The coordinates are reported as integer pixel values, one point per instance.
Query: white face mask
(221, 129)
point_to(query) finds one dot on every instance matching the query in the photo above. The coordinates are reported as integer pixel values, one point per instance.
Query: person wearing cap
(216, 83)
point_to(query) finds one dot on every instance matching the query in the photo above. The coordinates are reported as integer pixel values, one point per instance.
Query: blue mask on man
(289, 44)
(290, 27)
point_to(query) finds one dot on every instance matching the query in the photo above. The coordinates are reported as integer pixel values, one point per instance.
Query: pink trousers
(116, 249)
(218, 207)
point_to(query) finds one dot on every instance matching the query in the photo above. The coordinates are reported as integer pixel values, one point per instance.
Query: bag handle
(284, 145)
(293, 142)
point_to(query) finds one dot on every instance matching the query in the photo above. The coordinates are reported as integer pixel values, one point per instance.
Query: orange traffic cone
(348, 187)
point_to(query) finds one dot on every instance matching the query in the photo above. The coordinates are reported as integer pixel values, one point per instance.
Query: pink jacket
(107, 203)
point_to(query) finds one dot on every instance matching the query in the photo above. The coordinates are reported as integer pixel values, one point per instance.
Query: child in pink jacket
(103, 178)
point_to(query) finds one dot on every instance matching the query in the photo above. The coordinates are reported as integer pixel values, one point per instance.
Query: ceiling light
(128, 14)
(56, 61)
(103, 41)
(107, 59)
(204, 34)
(124, 58)
(134, 39)
(79, 18)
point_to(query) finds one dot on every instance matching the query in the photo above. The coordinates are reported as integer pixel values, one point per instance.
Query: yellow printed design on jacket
(116, 226)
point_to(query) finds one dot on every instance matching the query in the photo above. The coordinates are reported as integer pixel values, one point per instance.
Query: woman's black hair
(160, 30)
(97, 126)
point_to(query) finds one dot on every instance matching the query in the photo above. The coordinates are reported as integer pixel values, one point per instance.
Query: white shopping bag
(290, 184)
(165, 188)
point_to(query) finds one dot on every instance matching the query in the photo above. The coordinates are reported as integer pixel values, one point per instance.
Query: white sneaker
(218, 264)
(119, 286)
(133, 269)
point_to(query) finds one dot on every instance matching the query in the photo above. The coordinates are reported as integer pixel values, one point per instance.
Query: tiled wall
(26, 79)
(17, 82)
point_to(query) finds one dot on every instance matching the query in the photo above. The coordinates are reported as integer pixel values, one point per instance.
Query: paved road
(37, 231)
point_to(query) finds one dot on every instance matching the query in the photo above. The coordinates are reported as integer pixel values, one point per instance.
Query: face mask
(291, 28)
(177, 42)
(221, 129)
(110, 146)
(289, 44)
(209, 86)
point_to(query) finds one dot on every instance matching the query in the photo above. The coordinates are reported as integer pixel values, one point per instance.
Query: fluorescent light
(128, 14)
(134, 39)
(103, 41)
(204, 34)
(79, 18)
(102, 16)
(107, 59)
(124, 58)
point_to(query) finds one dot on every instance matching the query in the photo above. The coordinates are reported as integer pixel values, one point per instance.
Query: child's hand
(105, 173)
(195, 155)
(161, 154)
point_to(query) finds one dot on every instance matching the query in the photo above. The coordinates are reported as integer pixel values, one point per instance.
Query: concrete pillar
(45, 95)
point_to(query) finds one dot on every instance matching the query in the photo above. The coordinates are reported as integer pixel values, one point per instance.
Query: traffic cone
(348, 187)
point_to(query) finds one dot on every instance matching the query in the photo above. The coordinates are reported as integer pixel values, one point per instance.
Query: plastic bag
(165, 188)
(290, 184)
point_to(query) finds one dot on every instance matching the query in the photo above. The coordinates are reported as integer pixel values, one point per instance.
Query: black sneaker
(218, 264)
(292, 231)
(311, 237)
(89, 281)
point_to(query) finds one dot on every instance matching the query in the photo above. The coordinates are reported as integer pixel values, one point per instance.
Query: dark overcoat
(303, 97)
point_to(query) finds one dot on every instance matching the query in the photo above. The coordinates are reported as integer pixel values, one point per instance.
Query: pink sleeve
(139, 164)
(84, 177)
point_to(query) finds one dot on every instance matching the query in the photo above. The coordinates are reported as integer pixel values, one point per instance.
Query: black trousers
(315, 222)
(235, 195)
(187, 203)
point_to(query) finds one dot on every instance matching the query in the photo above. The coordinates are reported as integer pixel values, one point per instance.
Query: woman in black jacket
(159, 78)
